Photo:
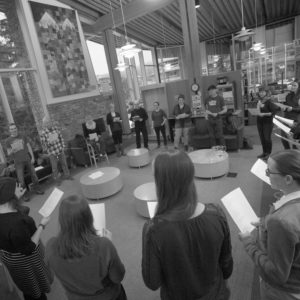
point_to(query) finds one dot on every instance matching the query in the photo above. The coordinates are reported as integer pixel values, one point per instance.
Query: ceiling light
(215, 58)
(121, 67)
(2, 16)
(197, 3)
(167, 67)
(257, 46)
(263, 51)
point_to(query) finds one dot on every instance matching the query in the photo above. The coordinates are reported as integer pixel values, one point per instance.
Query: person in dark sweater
(20, 248)
(274, 245)
(159, 119)
(186, 248)
(139, 116)
(87, 265)
(292, 100)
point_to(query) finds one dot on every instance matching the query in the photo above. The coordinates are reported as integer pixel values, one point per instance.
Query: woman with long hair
(87, 265)
(186, 246)
(274, 246)
(20, 248)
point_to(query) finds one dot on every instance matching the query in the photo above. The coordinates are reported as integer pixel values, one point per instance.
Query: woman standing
(274, 246)
(266, 110)
(186, 246)
(20, 247)
(87, 265)
(114, 122)
(159, 119)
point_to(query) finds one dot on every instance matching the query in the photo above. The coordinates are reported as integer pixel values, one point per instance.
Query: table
(210, 163)
(144, 194)
(101, 183)
(138, 157)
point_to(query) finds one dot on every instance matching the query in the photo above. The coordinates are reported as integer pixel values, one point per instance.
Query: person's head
(8, 191)
(77, 231)
(294, 86)
(212, 90)
(112, 107)
(13, 130)
(175, 187)
(180, 99)
(46, 121)
(263, 91)
(156, 105)
(136, 105)
(141, 104)
(284, 170)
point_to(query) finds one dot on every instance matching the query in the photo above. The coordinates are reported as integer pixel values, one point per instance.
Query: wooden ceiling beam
(133, 10)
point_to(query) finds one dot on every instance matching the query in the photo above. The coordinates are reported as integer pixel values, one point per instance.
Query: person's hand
(289, 108)
(32, 160)
(19, 191)
(215, 115)
(140, 119)
(45, 220)
(244, 235)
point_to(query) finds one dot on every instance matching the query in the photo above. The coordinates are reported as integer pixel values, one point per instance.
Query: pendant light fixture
(165, 66)
(197, 3)
(215, 56)
(243, 34)
(256, 46)
(128, 50)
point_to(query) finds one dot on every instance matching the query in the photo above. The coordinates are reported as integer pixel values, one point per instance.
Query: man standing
(53, 145)
(182, 113)
(20, 151)
(139, 116)
(215, 108)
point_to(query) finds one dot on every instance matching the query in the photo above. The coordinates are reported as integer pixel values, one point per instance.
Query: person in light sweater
(274, 246)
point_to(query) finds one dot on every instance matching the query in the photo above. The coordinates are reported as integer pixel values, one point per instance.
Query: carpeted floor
(126, 225)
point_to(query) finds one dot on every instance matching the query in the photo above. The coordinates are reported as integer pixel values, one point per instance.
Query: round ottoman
(101, 183)
(138, 157)
(210, 163)
(145, 199)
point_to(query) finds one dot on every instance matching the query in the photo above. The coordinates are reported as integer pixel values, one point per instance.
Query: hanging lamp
(128, 50)
(243, 34)
(256, 46)
(215, 56)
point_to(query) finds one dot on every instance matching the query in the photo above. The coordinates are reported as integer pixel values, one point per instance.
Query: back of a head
(288, 163)
(76, 227)
(7, 190)
(174, 179)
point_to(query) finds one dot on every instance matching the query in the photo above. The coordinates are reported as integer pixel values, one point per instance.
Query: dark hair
(288, 163)
(77, 233)
(175, 187)
(180, 96)
(212, 87)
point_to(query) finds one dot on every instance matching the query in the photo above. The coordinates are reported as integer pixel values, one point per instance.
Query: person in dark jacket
(186, 246)
(139, 116)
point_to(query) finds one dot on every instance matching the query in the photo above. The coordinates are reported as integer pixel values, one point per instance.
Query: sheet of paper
(93, 136)
(253, 111)
(281, 126)
(151, 208)
(51, 203)
(96, 175)
(98, 212)
(240, 210)
(39, 168)
(259, 170)
(286, 121)
(291, 141)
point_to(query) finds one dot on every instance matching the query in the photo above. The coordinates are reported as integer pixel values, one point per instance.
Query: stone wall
(71, 114)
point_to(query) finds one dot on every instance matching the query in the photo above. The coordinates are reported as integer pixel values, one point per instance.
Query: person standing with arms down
(215, 109)
(114, 122)
(20, 151)
(139, 116)
(274, 246)
(53, 144)
(159, 119)
(182, 113)
(186, 246)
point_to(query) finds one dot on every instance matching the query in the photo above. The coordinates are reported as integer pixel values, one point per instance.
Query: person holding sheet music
(266, 110)
(274, 246)
(20, 248)
(87, 265)
(186, 246)
(292, 100)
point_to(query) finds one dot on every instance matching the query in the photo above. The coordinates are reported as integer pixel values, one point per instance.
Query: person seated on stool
(53, 144)
(139, 116)
(215, 108)
(19, 150)
(182, 113)
(159, 119)
(114, 122)
(94, 136)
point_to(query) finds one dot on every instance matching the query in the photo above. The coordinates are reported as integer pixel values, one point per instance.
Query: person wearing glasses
(274, 246)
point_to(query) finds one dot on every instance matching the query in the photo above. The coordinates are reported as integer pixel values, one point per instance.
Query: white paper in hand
(281, 126)
(259, 170)
(240, 210)
(98, 212)
(151, 208)
(288, 122)
(51, 203)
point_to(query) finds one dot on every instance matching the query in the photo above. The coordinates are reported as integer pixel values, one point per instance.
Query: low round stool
(142, 195)
(101, 183)
(138, 157)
